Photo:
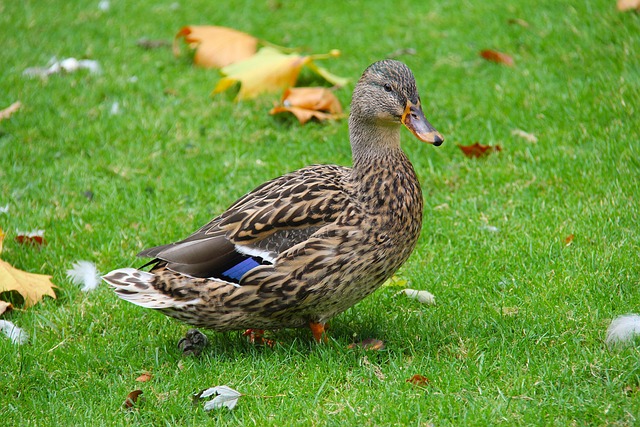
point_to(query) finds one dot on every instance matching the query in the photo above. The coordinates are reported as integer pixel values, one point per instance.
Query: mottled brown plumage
(306, 246)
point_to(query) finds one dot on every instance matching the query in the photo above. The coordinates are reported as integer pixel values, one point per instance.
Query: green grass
(175, 157)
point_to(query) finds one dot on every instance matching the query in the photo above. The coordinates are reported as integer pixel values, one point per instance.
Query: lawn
(141, 154)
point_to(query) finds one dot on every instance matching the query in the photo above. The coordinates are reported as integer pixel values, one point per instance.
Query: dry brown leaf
(499, 57)
(132, 399)
(270, 70)
(35, 238)
(5, 307)
(479, 150)
(625, 5)
(7, 112)
(419, 380)
(518, 21)
(216, 47)
(368, 344)
(308, 102)
(32, 287)
(146, 376)
(568, 240)
(149, 44)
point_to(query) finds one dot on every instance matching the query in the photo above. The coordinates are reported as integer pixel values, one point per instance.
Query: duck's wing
(262, 224)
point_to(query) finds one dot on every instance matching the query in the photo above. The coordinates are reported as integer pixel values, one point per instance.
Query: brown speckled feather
(317, 240)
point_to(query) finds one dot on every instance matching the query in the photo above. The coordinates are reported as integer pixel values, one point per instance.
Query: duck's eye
(388, 87)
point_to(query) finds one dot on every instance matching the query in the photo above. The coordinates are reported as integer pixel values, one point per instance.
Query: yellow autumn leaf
(31, 286)
(216, 47)
(270, 70)
(5, 307)
(308, 102)
(7, 112)
(624, 5)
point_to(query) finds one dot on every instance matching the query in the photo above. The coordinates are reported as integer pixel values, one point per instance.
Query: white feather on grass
(623, 329)
(17, 335)
(84, 273)
(225, 396)
(423, 297)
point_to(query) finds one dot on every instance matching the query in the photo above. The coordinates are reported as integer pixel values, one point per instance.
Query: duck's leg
(193, 343)
(318, 330)
(256, 336)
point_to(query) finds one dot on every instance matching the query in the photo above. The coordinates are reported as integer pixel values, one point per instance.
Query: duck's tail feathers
(138, 288)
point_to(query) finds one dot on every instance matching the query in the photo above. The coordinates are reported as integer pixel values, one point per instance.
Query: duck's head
(386, 94)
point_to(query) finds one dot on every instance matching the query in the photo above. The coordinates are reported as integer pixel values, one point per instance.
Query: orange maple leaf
(308, 102)
(32, 287)
(270, 70)
(499, 57)
(144, 377)
(419, 380)
(478, 150)
(216, 47)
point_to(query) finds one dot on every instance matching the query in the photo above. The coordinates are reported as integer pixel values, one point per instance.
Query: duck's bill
(413, 118)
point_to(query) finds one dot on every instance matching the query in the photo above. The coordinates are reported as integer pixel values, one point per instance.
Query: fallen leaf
(625, 5)
(152, 44)
(498, 57)
(629, 390)
(17, 335)
(419, 380)
(216, 47)
(132, 399)
(146, 376)
(5, 307)
(518, 21)
(225, 396)
(270, 70)
(308, 102)
(7, 112)
(524, 135)
(35, 237)
(568, 240)
(396, 282)
(32, 287)
(479, 150)
(368, 344)
(423, 297)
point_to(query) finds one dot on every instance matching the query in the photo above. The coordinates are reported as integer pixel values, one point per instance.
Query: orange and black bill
(413, 118)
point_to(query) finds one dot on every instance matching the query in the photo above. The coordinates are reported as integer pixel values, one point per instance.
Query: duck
(306, 246)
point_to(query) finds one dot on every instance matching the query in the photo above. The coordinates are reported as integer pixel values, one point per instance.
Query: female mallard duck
(308, 245)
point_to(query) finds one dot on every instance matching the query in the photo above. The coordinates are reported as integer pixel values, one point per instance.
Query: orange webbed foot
(256, 336)
(319, 331)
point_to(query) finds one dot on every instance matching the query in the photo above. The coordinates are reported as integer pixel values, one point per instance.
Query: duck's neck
(382, 174)
(371, 142)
